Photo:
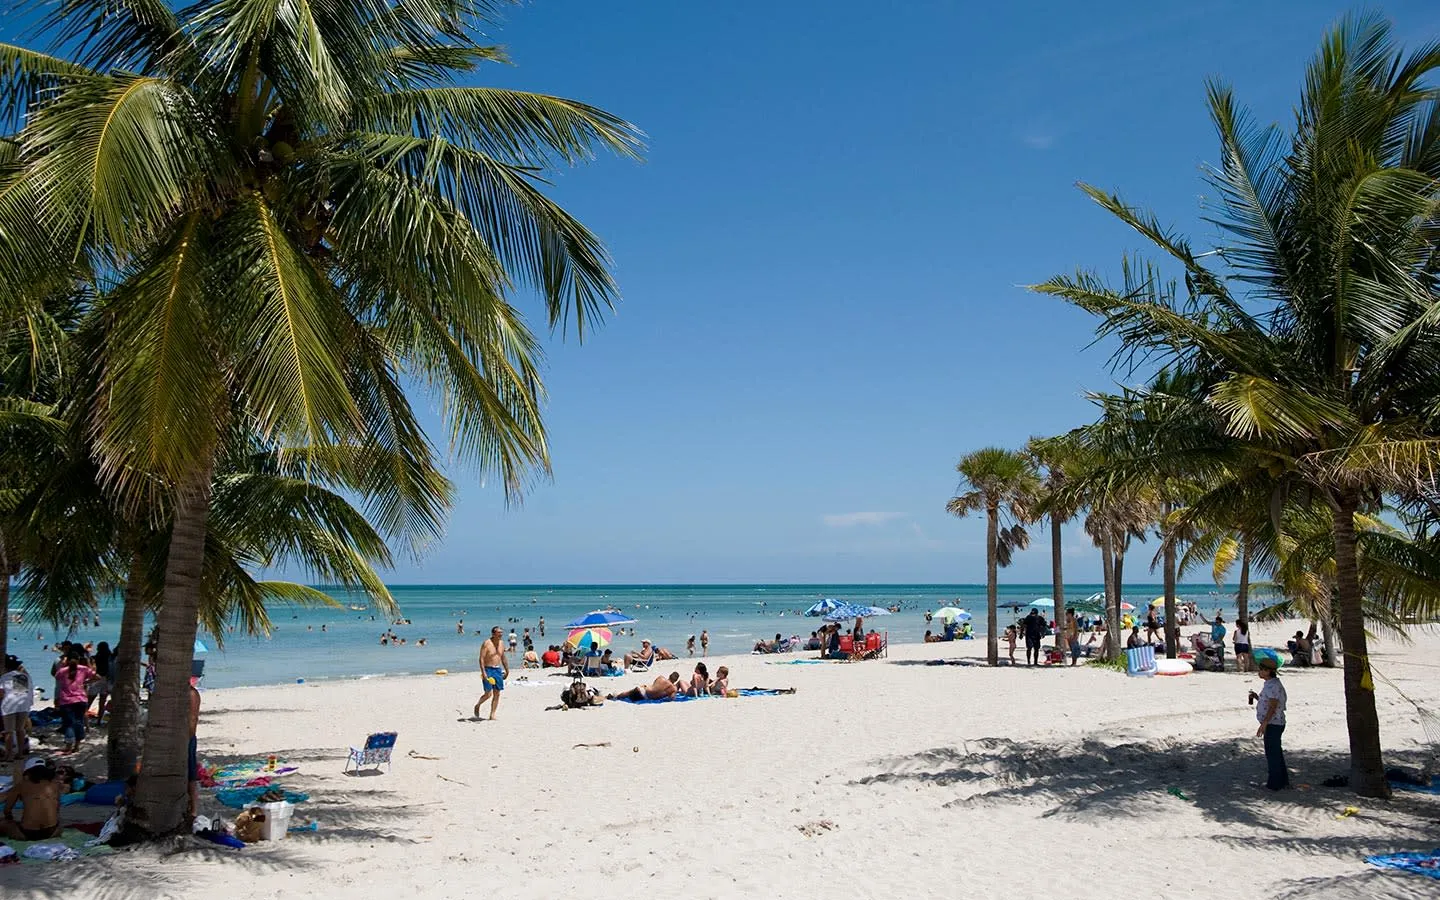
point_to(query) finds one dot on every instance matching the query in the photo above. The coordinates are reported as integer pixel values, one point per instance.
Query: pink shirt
(71, 689)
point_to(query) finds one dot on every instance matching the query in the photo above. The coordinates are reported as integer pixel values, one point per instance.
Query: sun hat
(1267, 659)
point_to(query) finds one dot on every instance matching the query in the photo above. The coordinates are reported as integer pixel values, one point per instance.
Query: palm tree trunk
(1367, 768)
(162, 796)
(4, 610)
(1107, 565)
(1118, 568)
(992, 578)
(6, 573)
(1172, 628)
(1329, 631)
(1057, 580)
(122, 749)
(1242, 596)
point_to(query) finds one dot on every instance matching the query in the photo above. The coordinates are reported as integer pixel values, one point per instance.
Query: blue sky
(822, 260)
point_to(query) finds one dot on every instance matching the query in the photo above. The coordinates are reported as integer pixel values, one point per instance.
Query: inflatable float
(1172, 667)
(442, 671)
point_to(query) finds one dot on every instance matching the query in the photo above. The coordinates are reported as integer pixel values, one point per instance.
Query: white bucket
(277, 820)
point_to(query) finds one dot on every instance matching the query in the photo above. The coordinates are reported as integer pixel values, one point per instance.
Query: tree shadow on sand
(171, 868)
(1092, 780)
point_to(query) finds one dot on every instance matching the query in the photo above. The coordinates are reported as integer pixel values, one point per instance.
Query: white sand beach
(884, 778)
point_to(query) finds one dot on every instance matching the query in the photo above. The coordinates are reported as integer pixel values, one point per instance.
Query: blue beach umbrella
(849, 611)
(200, 646)
(600, 619)
(825, 607)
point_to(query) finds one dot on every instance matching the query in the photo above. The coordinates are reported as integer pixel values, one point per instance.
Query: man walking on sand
(494, 669)
(1034, 631)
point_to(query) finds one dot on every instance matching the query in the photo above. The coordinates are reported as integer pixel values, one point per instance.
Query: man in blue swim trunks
(494, 669)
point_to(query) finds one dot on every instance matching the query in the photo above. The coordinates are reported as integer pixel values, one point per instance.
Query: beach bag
(577, 696)
(250, 825)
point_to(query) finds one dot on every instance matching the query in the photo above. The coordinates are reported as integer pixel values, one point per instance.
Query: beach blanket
(71, 844)
(250, 772)
(1427, 864)
(802, 662)
(1432, 788)
(239, 798)
(683, 698)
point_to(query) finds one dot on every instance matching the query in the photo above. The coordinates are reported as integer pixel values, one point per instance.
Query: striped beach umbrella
(589, 638)
(600, 618)
(825, 607)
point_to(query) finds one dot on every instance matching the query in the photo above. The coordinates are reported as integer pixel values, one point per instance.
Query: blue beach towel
(239, 798)
(685, 698)
(801, 662)
(1432, 788)
(1427, 864)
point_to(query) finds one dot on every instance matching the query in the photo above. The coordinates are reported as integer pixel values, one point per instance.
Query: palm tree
(1058, 505)
(1321, 327)
(286, 216)
(1003, 484)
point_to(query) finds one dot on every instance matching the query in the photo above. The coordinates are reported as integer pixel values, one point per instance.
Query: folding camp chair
(377, 750)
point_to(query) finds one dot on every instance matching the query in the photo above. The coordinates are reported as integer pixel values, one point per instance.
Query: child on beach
(1010, 635)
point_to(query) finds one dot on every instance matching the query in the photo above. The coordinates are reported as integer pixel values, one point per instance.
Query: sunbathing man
(659, 689)
(38, 787)
(645, 657)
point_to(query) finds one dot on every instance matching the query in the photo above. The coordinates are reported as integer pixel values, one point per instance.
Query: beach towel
(239, 798)
(684, 698)
(71, 844)
(1427, 864)
(249, 772)
(1432, 788)
(802, 662)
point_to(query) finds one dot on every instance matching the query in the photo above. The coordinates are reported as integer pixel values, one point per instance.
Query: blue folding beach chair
(377, 750)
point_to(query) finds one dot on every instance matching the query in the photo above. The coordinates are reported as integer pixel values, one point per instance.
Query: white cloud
(849, 520)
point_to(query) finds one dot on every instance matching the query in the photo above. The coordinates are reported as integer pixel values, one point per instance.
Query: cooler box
(277, 820)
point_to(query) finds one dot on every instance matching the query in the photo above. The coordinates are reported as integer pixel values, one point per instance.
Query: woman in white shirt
(16, 699)
(1270, 712)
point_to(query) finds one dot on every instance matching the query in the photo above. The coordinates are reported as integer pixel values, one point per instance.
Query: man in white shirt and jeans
(1270, 711)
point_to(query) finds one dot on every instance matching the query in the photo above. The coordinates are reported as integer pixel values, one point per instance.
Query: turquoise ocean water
(735, 615)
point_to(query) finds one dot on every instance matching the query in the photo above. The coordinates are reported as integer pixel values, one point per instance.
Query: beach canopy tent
(600, 618)
(826, 607)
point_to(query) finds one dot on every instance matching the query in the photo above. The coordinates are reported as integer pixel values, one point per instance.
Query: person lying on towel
(659, 689)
